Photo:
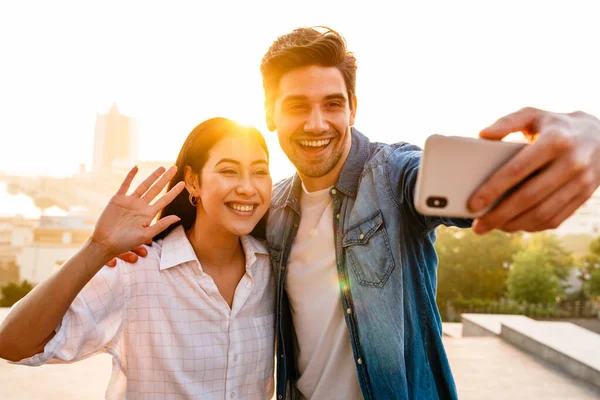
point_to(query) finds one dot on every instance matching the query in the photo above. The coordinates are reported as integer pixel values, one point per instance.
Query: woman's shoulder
(149, 261)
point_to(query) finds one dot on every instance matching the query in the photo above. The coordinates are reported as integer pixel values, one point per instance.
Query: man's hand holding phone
(565, 154)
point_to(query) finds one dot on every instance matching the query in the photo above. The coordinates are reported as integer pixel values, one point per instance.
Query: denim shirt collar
(354, 165)
(349, 177)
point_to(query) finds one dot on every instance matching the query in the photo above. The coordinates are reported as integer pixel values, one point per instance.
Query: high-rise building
(115, 141)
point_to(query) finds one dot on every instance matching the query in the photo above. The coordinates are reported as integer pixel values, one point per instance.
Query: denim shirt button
(348, 311)
(361, 237)
(337, 216)
(359, 361)
(333, 191)
(280, 397)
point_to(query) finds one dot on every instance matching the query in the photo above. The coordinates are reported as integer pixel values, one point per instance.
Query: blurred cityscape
(494, 355)
(32, 248)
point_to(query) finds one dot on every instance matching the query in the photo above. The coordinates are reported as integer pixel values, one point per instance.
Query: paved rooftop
(489, 368)
(484, 368)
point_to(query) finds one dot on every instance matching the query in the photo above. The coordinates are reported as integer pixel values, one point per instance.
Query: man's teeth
(241, 207)
(314, 143)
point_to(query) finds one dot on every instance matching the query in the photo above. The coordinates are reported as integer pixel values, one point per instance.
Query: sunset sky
(424, 68)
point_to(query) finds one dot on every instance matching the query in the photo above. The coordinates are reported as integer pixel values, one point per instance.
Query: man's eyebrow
(294, 97)
(336, 96)
(231, 160)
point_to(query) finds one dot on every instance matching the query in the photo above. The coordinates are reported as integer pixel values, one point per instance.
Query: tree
(532, 278)
(13, 292)
(589, 270)
(592, 286)
(473, 266)
(561, 259)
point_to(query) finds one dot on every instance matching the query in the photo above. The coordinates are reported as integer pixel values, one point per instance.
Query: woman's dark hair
(194, 154)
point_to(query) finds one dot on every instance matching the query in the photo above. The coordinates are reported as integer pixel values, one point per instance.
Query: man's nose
(316, 123)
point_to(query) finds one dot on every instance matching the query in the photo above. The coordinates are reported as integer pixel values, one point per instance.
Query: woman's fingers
(127, 181)
(163, 224)
(167, 198)
(145, 185)
(160, 184)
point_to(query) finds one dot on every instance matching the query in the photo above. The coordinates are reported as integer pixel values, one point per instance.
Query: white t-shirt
(324, 354)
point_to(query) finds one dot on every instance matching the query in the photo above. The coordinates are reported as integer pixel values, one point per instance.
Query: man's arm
(403, 166)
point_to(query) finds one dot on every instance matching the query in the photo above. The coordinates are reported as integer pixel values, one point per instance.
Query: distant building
(55, 240)
(15, 234)
(585, 220)
(115, 141)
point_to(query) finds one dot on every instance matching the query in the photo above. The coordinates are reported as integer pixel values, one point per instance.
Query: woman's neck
(214, 247)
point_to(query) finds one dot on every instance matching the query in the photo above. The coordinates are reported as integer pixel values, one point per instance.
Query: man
(355, 263)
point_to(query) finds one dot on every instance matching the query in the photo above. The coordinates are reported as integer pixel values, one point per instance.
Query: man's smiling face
(313, 115)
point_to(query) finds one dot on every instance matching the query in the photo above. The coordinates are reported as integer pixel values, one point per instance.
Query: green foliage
(559, 257)
(548, 310)
(595, 246)
(532, 277)
(13, 292)
(473, 266)
(589, 270)
(592, 286)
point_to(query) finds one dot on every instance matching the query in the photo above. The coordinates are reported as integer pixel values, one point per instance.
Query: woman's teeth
(314, 143)
(241, 207)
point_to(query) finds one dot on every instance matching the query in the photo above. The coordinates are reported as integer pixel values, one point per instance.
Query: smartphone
(452, 168)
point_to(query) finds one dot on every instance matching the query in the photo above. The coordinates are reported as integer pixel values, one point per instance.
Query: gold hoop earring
(193, 200)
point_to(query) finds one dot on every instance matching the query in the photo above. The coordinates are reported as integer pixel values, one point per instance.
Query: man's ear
(191, 180)
(270, 124)
(269, 116)
(353, 111)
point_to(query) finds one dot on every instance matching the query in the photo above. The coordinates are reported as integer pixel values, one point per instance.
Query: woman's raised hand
(125, 222)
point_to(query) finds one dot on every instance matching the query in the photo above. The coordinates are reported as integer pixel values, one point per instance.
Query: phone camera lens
(437, 202)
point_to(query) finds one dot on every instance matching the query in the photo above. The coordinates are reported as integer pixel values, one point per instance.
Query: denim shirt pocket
(367, 246)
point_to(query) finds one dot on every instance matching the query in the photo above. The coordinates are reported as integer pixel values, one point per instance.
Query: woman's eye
(261, 172)
(228, 172)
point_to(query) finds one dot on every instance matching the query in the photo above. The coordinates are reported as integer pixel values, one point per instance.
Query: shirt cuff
(51, 348)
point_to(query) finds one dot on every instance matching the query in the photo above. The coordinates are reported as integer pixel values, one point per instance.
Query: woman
(194, 318)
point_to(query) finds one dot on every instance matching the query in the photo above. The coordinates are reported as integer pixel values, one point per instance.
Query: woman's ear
(191, 181)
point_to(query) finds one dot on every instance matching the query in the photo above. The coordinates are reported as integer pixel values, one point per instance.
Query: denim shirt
(386, 265)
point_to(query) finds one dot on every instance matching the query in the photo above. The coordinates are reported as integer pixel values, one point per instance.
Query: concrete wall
(568, 364)
(470, 329)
